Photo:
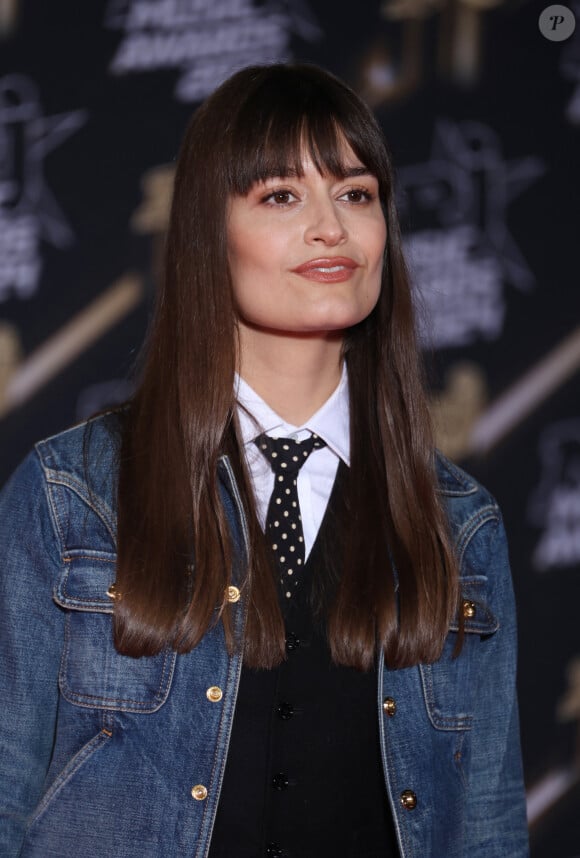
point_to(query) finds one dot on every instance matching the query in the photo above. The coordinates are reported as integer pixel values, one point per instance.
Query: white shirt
(317, 474)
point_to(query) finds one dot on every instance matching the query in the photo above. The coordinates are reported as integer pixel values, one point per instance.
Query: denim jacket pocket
(449, 683)
(92, 673)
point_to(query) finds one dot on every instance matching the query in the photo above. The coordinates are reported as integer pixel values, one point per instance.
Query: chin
(339, 320)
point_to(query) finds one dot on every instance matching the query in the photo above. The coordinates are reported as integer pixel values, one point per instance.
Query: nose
(324, 223)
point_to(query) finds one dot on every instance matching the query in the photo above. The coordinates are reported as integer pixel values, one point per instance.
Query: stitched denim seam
(459, 763)
(101, 510)
(469, 486)
(115, 703)
(470, 528)
(217, 769)
(391, 767)
(232, 680)
(65, 599)
(440, 722)
(68, 772)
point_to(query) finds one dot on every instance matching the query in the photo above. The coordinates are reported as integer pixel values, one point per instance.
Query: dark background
(483, 117)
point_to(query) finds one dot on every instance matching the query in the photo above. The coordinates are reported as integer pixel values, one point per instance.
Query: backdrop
(482, 111)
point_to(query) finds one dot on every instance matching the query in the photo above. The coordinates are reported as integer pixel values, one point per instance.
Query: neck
(294, 374)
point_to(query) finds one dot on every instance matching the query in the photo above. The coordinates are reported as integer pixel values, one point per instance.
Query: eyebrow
(353, 172)
(290, 172)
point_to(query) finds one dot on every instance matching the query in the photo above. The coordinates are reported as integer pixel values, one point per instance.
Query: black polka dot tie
(283, 520)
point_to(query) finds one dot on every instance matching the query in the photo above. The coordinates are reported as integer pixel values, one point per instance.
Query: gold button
(408, 799)
(468, 609)
(389, 706)
(113, 593)
(214, 694)
(232, 594)
(199, 792)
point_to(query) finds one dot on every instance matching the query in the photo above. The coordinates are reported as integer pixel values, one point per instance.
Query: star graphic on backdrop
(26, 138)
(467, 180)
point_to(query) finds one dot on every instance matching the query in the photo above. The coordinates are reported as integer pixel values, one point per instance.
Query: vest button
(285, 711)
(214, 694)
(273, 850)
(292, 642)
(408, 799)
(280, 781)
(199, 792)
(468, 609)
(389, 706)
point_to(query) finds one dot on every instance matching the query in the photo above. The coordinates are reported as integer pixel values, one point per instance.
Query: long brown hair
(398, 587)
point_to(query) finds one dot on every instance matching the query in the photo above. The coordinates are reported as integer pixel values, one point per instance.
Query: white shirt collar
(331, 422)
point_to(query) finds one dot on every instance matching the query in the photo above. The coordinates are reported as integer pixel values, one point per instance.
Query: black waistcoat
(304, 777)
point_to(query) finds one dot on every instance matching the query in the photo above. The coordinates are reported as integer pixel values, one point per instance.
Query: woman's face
(306, 252)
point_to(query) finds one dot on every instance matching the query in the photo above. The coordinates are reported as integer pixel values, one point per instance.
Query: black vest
(304, 776)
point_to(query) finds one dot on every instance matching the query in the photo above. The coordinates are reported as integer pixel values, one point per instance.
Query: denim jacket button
(214, 694)
(389, 706)
(408, 799)
(199, 792)
(113, 593)
(468, 609)
(232, 594)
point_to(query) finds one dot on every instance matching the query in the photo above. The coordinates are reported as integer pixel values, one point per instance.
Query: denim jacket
(106, 755)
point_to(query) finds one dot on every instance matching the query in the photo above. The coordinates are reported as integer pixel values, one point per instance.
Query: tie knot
(285, 454)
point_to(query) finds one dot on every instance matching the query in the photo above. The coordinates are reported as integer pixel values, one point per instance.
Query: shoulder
(80, 468)
(472, 510)
(86, 453)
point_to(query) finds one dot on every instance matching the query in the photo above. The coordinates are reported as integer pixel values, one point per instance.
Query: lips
(334, 269)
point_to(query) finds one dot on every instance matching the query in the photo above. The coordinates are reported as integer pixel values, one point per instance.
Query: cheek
(256, 256)
(381, 240)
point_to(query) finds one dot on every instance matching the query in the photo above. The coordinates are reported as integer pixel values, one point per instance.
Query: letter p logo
(557, 23)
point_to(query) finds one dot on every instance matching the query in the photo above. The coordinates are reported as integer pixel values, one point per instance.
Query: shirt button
(285, 711)
(280, 781)
(292, 642)
(389, 706)
(199, 792)
(273, 850)
(214, 694)
(408, 799)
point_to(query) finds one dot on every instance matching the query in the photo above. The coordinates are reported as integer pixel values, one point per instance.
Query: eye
(279, 197)
(357, 195)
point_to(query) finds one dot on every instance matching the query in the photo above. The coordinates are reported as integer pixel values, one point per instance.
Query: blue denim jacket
(106, 755)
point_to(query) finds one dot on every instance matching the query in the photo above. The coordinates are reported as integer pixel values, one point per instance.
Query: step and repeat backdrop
(481, 106)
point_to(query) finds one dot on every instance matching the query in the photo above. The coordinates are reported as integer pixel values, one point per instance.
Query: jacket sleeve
(31, 631)
(496, 814)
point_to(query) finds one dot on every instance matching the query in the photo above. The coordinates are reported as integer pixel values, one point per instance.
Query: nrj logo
(28, 211)
(205, 41)
(460, 249)
(555, 505)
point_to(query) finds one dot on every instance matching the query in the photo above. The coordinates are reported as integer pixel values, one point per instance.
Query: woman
(219, 643)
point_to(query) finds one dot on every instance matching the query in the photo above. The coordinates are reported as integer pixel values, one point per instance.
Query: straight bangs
(283, 119)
